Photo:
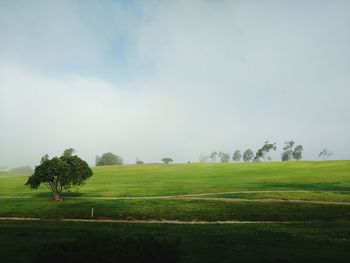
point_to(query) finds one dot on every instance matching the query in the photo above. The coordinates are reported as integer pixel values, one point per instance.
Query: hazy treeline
(291, 151)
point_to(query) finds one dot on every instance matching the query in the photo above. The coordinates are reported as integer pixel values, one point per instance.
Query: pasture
(288, 211)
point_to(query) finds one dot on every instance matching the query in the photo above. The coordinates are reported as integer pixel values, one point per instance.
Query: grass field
(159, 179)
(221, 192)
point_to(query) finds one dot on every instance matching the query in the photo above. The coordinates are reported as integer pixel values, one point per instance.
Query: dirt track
(151, 221)
(201, 196)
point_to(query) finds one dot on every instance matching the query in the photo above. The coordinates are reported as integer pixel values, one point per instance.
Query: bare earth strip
(163, 221)
(264, 200)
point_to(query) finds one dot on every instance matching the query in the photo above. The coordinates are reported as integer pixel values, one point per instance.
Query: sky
(152, 79)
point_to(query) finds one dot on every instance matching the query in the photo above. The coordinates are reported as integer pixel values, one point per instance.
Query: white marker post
(92, 212)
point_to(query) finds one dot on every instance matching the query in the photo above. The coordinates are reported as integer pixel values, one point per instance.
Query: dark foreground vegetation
(306, 242)
(109, 248)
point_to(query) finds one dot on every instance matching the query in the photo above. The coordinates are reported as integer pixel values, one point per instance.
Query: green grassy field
(160, 179)
(232, 191)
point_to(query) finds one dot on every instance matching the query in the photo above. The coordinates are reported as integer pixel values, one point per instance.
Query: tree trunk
(56, 196)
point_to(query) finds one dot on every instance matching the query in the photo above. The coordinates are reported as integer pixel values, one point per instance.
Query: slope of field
(175, 179)
(211, 192)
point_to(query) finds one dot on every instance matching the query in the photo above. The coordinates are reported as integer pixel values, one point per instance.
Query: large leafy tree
(60, 173)
(109, 159)
(248, 155)
(236, 157)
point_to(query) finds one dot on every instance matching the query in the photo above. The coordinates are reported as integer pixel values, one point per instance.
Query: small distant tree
(298, 152)
(236, 157)
(213, 156)
(60, 173)
(325, 154)
(248, 155)
(264, 150)
(68, 152)
(139, 162)
(204, 158)
(167, 160)
(97, 160)
(44, 158)
(110, 159)
(224, 157)
(287, 151)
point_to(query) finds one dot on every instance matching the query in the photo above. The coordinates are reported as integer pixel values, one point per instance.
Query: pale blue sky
(150, 79)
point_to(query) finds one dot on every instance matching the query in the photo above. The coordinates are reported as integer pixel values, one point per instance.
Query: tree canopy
(248, 155)
(287, 151)
(109, 159)
(68, 152)
(325, 154)
(264, 150)
(213, 156)
(236, 157)
(298, 152)
(224, 157)
(60, 173)
(167, 160)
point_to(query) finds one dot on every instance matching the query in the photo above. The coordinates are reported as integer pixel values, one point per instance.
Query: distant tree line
(290, 152)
